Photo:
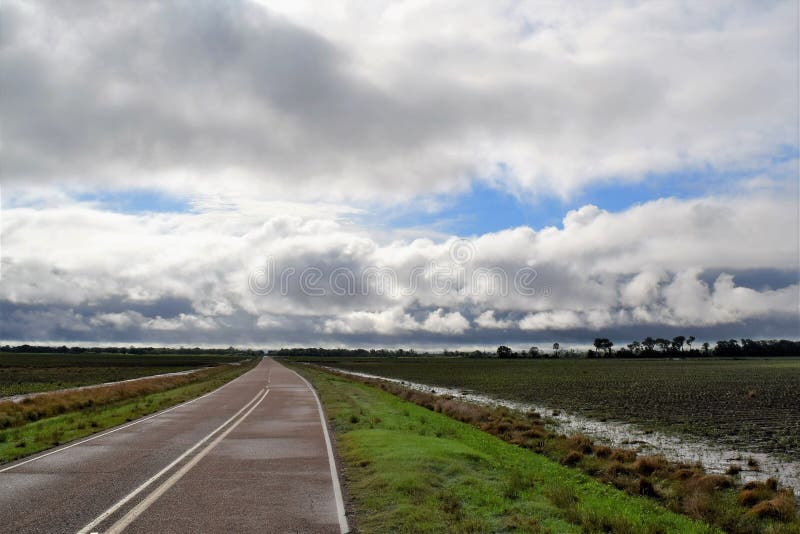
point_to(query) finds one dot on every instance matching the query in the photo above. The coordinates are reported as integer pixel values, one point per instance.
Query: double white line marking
(156, 493)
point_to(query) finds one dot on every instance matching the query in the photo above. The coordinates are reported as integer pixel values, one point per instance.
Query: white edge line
(117, 429)
(140, 508)
(337, 490)
(103, 516)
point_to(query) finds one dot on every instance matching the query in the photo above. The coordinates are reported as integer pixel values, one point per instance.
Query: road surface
(252, 456)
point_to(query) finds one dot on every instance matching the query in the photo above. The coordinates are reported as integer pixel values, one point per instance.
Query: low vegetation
(411, 469)
(682, 488)
(49, 419)
(744, 404)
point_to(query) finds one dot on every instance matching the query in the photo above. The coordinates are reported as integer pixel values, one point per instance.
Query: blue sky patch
(137, 201)
(485, 208)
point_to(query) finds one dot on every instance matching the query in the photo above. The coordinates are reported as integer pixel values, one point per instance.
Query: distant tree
(727, 348)
(648, 343)
(705, 348)
(689, 341)
(664, 344)
(533, 352)
(750, 347)
(677, 343)
(556, 346)
(634, 347)
(504, 352)
(603, 344)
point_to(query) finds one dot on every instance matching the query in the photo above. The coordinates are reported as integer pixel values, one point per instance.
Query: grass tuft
(647, 465)
(781, 507)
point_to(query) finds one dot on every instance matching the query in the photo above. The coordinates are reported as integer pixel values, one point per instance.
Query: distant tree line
(126, 350)
(683, 346)
(505, 352)
(679, 346)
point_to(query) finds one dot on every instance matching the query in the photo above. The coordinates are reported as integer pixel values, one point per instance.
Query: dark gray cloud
(272, 102)
(758, 279)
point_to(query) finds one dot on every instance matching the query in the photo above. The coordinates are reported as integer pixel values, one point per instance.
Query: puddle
(714, 458)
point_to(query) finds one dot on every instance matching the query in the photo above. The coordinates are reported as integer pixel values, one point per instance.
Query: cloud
(441, 322)
(385, 322)
(711, 265)
(119, 321)
(552, 320)
(294, 100)
(487, 320)
(642, 289)
(396, 321)
(182, 322)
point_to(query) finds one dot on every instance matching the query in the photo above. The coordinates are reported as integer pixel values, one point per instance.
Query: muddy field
(22, 373)
(741, 404)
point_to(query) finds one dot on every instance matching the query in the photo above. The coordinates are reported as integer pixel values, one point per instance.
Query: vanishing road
(252, 456)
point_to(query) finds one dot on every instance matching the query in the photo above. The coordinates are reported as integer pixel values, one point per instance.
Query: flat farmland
(33, 373)
(753, 404)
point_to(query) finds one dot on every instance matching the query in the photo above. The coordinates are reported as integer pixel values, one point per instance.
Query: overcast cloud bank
(667, 263)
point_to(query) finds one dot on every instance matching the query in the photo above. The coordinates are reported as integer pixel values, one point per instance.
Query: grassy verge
(101, 408)
(409, 469)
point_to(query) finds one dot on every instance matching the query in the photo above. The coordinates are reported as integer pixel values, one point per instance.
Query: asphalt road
(252, 456)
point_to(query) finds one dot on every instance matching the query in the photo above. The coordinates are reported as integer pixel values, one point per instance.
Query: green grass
(740, 403)
(408, 469)
(52, 431)
(33, 373)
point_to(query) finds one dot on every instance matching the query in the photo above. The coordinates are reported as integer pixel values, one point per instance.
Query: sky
(417, 174)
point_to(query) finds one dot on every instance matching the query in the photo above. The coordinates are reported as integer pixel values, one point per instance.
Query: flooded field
(717, 455)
